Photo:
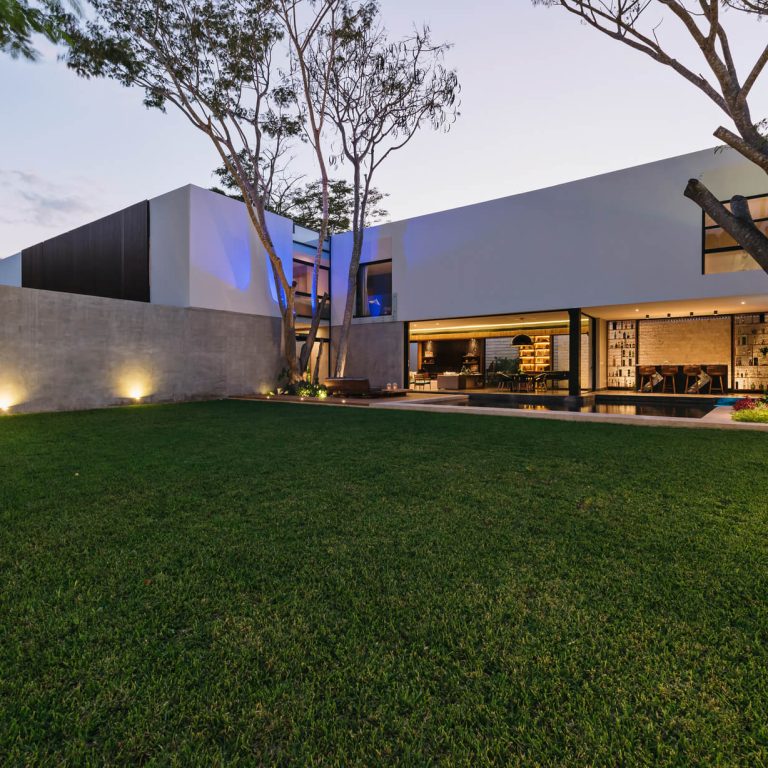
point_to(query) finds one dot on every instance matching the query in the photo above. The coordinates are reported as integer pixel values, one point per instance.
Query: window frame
(729, 249)
(357, 314)
(308, 295)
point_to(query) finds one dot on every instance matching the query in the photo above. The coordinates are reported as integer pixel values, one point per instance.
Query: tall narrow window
(374, 289)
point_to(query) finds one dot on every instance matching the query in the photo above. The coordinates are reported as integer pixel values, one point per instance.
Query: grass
(254, 583)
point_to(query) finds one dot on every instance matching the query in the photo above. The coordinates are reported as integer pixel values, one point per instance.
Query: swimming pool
(666, 409)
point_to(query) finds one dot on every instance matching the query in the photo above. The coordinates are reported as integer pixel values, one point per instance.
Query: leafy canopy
(21, 19)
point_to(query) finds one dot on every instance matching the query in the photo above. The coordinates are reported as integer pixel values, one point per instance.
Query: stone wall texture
(685, 341)
(61, 351)
(376, 352)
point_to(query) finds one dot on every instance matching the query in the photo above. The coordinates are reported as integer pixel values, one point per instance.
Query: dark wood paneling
(108, 257)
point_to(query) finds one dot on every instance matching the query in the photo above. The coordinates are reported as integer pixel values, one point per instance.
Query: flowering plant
(746, 404)
(751, 409)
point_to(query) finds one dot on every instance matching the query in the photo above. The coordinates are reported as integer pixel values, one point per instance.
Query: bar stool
(669, 373)
(691, 372)
(717, 373)
(646, 373)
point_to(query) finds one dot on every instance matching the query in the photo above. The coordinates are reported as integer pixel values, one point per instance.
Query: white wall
(228, 266)
(10, 270)
(204, 252)
(623, 237)
(169, 248)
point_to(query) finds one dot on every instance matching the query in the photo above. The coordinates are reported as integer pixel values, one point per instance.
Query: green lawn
(255, 583)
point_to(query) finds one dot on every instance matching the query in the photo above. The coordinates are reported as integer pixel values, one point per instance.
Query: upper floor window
(721, 252)
(374, 289)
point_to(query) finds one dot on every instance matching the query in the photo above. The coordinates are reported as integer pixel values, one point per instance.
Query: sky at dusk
(544, 100)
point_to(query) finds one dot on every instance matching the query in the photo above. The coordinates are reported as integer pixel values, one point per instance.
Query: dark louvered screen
(109, 257)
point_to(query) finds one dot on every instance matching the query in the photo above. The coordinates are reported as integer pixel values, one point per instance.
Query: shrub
(755, 415)
(746, 404)
(306, 389)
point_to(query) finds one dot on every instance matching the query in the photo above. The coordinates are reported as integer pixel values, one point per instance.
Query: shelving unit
(542, 346)
(536, 357)
(750, 335)
(622, 354)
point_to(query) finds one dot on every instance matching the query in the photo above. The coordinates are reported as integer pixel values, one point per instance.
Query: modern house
(612, 282)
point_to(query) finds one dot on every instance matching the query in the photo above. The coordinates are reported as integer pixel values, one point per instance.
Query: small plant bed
(751, 409)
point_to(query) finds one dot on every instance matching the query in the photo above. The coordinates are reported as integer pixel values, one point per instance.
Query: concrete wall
(62, 351)
(10, 270)
(623, 237)
(204, 253)
(376, 352)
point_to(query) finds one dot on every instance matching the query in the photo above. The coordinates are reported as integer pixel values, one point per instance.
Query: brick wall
(685, 341)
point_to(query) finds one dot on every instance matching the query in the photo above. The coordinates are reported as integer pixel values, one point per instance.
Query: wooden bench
(348, 387)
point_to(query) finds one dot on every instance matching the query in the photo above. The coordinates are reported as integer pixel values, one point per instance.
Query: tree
(20, 20)
(377, 94)
(303, 204)
(630, 22)
(221, 64)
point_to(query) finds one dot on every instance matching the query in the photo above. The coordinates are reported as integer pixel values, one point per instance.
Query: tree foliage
(640, 24)
(20, 20)
(259, 76)
(303, 202)
(219, 62)
(378, 93)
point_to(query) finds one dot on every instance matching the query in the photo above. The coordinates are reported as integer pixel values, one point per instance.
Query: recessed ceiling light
(743, 302)
(637, 310)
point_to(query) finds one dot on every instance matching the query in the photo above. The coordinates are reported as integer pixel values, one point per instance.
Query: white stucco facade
(620, 238)
(204, 253)
(10, 270)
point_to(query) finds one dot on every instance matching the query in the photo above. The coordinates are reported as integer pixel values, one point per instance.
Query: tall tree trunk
(738, 225)
(349, 306)
(289, 337)
(318, 307)
(316, 374)
(358, 234)
(286, 296)
(306, 350)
